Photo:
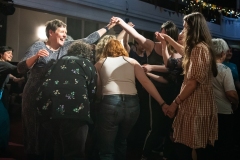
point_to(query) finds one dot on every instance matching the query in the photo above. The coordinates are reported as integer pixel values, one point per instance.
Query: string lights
(212, 12)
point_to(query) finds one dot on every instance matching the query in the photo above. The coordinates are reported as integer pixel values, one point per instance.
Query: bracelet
(179, 98)
(107, 30)
(176, 102)
(161, 105)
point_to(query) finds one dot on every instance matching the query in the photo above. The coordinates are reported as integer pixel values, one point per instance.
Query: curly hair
(53, 25)
(101, 44)
(197, 31)
(114, 48)
(82, 49)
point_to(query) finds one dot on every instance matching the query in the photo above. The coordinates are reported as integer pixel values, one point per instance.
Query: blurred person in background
(226, 99)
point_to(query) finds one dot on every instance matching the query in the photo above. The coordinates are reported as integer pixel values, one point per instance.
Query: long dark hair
(172, 31)
(197, 31)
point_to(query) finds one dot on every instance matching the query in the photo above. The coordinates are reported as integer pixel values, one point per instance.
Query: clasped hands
(170, 111)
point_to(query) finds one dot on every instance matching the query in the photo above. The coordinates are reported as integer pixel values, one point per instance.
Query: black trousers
(184, 152)
(224, 144)
(70, 137)
(160, 124)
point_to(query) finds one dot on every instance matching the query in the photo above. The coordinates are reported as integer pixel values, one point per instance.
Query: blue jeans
(115, 119)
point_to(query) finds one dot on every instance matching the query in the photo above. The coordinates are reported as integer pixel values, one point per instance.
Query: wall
(144, 16)
(21, 29)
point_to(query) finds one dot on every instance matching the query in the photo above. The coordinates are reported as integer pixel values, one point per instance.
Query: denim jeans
(115, 119)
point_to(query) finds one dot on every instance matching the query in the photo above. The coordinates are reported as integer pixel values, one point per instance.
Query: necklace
(50, 48)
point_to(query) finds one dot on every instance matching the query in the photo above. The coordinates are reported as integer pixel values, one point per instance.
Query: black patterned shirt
(67, 90)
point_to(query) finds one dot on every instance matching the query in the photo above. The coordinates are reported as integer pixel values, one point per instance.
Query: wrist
(176, 102)
(107, 28)
(162, 104)
(175, 105)
(179, 98)
(163, 42)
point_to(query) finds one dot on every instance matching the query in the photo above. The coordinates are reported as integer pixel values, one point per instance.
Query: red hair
(114, 49)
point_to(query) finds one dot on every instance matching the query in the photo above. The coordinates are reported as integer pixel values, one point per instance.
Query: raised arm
(121, 35)
(146, 43)
(165, 53)
(126, 38)
(178, 47)
(104, 30)
(125, 42)
(93, 37)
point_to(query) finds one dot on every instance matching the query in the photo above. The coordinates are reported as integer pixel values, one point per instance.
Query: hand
(159, 37)
(131, 24)
(172, 110)
(147, 68)
(165, 109)
(111, 25)
(115, 20)
(42, 53)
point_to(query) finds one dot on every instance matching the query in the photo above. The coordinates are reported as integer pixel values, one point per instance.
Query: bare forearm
(178, 47)
(157, 78)
(125, 42)
(165, 53)
(159, 68)
(148, 85)
(11, 76)
(190, 87)
(104, 30)
(121, 35)
(31, 61)
(232, 97)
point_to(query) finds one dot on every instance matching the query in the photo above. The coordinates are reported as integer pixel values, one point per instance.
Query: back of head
(81, 49)
(219, 46)
(114, 49)
(5, 49)
(53, 25)
(101, 45)
(197, 30)
(171, 29)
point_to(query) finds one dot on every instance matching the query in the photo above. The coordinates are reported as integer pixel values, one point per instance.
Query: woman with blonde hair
(119, 108)
(101, 45)
(195, 125)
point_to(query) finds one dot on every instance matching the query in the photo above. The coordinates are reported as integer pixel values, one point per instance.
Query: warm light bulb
(41, 33)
